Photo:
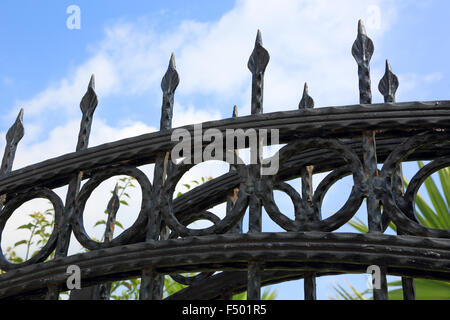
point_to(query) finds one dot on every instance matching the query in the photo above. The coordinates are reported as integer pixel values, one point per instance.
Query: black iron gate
(347, 140)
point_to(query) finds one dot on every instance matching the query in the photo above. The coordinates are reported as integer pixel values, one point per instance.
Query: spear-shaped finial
(16, 132)
(363, 47)
(362, 51)
(13, 136)
(361, 27)
(258, 37)
(257, 64)
(388, 84)
(306, 102)
(169, 83)
(259, 58)
(170, 80)
(87, 105)
(92, 82)
(112, 208)
(89, 100)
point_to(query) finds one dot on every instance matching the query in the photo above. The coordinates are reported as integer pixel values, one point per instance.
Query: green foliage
(194, 183)
(425, 290)
(42, 223)
(436, 216)
(267, 295)
(39, 229)
(125, 289)
(344, 294)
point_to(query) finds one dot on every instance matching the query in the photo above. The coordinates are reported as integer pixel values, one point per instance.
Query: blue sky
(45, 67)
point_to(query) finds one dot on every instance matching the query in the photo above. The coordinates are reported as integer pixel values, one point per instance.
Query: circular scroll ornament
(15, 203)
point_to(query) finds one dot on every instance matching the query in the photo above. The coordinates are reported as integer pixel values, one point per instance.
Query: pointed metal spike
(13, 136)
(361, 28)
(258, 38)
(388, 84)
(306, 102)
(114, 202)
(259, 58)
(92, 82)
(388, 66)
(16, 131)
(89, 101)
(87, 105)
(170, 80)
(235, 111)
(172, 61)
(20, 115)
(362, 51)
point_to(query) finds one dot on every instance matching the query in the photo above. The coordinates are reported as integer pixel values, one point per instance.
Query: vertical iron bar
(103, 291)
(152, 283)
(87, 105)
(111, 209)
(388, 87)
(13, 136)
(232, 196)
(309, 284)
(257, 64)
(362, 51)
(231, 202)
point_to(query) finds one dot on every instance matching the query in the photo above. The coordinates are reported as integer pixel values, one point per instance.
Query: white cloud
(307, 40)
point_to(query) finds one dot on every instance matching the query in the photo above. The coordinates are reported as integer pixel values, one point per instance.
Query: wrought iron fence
(344, 141)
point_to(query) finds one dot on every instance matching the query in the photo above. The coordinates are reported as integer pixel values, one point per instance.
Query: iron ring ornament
(130, 235)
(265, 191)
(223, 225)
(203, 215)
(14, 204)
(396, 214)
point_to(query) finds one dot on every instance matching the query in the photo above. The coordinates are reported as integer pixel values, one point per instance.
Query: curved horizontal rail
(318, 251)
(215, 191)
(330, 122)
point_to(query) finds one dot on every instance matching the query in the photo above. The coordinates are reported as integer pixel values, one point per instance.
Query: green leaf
(359, 225)
(26, 226)
(20, 242)
(187, 186)
(356, 292)
(99, 223)
(436, 200)
(444, 176)
(430, 219)
(124, 202)
(392, 226)
(269, 295)
(117, 223)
